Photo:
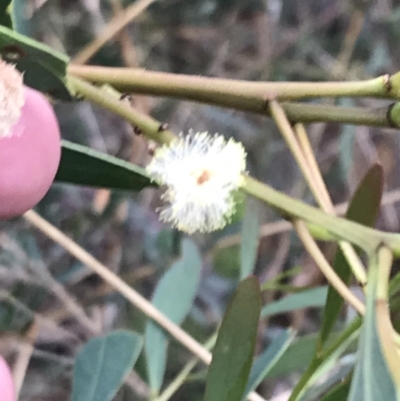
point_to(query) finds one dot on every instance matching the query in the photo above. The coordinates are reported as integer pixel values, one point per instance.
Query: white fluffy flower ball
(201, 174)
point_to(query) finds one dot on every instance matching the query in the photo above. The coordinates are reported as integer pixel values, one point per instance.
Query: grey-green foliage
(174, 297)
(103, 364)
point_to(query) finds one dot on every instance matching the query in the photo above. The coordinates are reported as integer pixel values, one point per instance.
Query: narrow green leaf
(297, 357)
(250, 232)
(266, 361)
(44, 69)
(339, 392)
(300, 354)
(313, 298)
(328, 370)
(103, 364)
(372, 379)
(234, 350)
(174, 297)
(363, 209)
(81, 165)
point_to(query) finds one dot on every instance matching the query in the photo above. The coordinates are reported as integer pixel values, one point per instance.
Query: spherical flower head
(30, 144)
(201, 174)
(11, 97)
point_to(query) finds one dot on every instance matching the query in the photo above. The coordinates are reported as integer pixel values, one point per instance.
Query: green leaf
(44, 69)
(5, 16)
(234, 350)
(81, 165)
(339, 392)
(372, 379)
(226, 261)
(174, 297)
(328, 370)
(265, 362)
(250, 233)
(103, 364)
(313, 298)
(363, 209)
(296, 358)
(337, 375)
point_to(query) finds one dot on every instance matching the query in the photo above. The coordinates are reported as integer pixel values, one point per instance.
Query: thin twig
(44, 278)
(313, 168)
(71, 305)
(300, 147)
(129, 293)
(326, 202)
(115, 26)
(279, 116)
(24, 355)
(183, 374)
(319, 258)
(133, 296)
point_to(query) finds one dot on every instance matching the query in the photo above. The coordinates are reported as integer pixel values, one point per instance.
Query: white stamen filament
(201, 173)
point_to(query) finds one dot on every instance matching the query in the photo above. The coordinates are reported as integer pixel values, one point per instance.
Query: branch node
(163, 127)
(387, 83)
(269, 97)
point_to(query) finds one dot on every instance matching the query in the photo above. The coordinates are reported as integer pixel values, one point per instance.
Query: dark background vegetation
(278, 40)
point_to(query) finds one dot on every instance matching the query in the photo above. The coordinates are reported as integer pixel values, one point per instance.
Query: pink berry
(6, 382)
(30, 147)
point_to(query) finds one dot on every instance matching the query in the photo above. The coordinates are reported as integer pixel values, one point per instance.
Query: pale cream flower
(201, 173)
(12, 97)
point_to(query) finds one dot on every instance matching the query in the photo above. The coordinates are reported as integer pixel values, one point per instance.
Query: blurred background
(41, 286)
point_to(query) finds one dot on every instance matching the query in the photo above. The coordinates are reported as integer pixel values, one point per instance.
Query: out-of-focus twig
(129, 293)
(113, 28)
(24, 355)
(319, 258)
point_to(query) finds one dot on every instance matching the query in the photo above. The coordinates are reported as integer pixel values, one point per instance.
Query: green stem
(372, 117)
(231, 92)
(319, 359)
(322, 226)
(336, 228)
(150, 127)
(253, 96)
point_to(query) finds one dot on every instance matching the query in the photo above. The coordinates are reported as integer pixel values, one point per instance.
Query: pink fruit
(30, 147)
(6, 382)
